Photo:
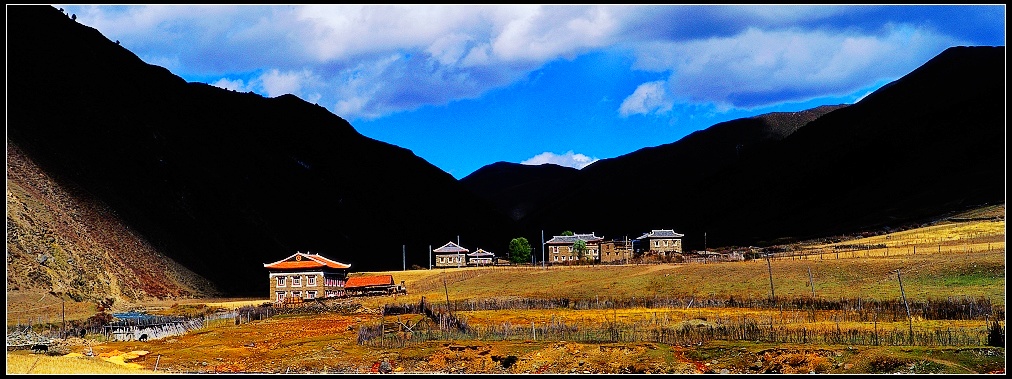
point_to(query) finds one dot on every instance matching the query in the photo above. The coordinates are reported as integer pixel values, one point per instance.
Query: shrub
(885, 364)
(995, 334)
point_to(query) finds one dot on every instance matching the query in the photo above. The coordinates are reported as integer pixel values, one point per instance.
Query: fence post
(910, 321)
(773, 294)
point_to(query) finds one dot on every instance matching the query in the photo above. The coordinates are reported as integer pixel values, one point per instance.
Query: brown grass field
(955, 260)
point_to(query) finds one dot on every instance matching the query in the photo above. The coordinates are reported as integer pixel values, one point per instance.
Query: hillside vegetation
(569, 339)
(953, 259)
(60, 241)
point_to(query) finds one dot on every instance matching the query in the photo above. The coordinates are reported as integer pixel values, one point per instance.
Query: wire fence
(797, 322)
(742, 328)
(844, 309)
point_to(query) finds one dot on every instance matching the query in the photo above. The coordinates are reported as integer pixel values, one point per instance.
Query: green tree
(520, 250)
(580, 247)
(567, 233)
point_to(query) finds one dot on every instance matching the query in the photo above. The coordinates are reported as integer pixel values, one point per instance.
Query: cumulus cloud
(235, 85)
(341, 55)
(569, 159)
(277, 83)
(445, 52)
(758, 67)
(651, 97)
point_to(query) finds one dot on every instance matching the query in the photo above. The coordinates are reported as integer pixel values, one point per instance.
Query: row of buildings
(562, 249)
(311, 276)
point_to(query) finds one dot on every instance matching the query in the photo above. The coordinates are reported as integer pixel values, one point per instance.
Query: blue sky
(463, 86)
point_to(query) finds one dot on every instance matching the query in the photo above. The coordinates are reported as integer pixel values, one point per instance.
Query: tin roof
(568, 240)
(369, 281)
(480, 253)
(661, 233)
(450, 247)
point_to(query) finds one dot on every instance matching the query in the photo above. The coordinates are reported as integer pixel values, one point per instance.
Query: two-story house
(560, 248)
(306, 276)
(617, 250)
(662, 242)
(451, 255)
(480, 258)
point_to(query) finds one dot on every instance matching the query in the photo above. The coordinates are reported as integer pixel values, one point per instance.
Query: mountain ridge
(814, 180)
(213, 177)
(61, 240)
(223, 181)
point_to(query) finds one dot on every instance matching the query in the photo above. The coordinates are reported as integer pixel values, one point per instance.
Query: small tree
(580, 247)
(567, 233)
(520, 250)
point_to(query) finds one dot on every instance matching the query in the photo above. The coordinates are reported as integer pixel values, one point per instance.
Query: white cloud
(569, 159)
(276, 83)
(728, 56)
(446, 52)
(546, 33)
(649, 97)
(757, 67)
(235, 85)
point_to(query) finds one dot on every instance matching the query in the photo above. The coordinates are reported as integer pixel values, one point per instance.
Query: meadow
(661, 318)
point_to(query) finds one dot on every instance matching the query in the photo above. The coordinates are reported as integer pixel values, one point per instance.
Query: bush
(885, 364)
(995, 334)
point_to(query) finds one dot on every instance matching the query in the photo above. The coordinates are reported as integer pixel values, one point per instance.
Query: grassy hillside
(60, 241)
(562, 340)
(951, 260)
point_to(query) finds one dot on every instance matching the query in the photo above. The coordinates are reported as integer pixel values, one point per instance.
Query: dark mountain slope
(221, 181)
(516, 189)
(60, 240)
(930, 143)
(634, 186)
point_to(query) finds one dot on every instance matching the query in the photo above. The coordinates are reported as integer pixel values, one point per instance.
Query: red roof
(305, 261)
(368, 281)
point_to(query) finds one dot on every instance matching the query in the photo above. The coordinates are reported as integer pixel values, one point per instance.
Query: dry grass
(31, 306)
(23, 362)
(925, 275)
(327, 342)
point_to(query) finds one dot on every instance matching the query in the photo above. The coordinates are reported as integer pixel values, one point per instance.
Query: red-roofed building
(307, 276)
(374, 284)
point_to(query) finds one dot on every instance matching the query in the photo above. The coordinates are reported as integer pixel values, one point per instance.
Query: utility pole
(704, 241)
(628, 253)
(773, 294)
(63, 307)
(404, 258)
(543, 249)
(430, 257)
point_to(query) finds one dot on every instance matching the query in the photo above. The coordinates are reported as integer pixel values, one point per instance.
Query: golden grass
(40, 307)
(965, 259)
(672, 317)
(23, 362)
(925, 276)
(936, 235)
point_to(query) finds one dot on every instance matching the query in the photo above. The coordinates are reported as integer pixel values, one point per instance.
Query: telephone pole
(543, 248)
(404, 258)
